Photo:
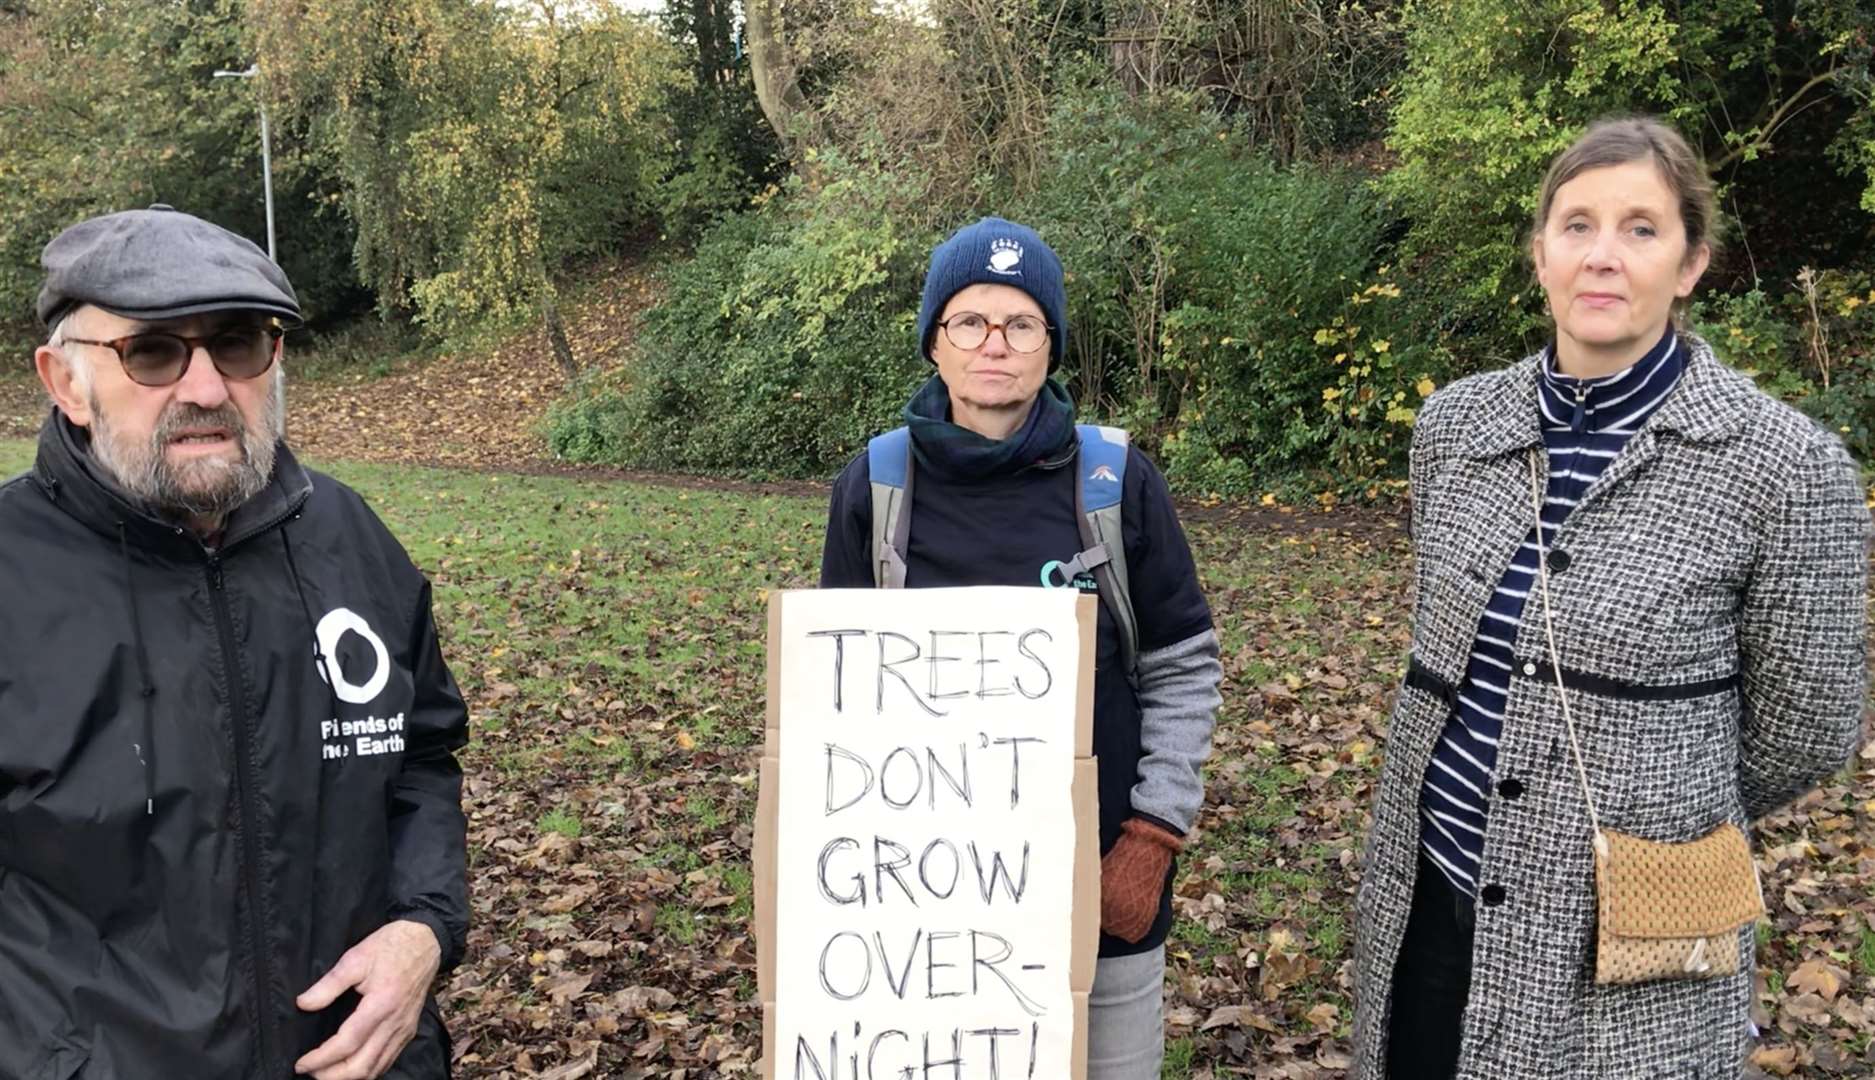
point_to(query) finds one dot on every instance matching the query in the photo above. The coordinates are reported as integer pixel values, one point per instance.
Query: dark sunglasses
(157, 358)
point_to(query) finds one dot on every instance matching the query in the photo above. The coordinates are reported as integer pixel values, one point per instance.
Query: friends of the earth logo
(348, 737)
(1005, 256)
(1055, 576)
(331, 630)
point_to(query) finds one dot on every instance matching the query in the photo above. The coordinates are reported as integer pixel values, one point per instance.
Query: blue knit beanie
(996, 252)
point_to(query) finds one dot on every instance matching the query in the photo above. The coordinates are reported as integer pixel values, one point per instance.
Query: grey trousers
(1125, 1017)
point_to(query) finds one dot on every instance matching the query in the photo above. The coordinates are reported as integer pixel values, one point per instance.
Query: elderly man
(1010, 492)
(231, 838)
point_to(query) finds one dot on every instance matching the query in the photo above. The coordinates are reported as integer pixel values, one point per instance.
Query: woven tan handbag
(1662, 911)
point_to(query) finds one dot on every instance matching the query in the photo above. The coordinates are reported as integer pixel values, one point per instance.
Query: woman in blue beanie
(1009, 492)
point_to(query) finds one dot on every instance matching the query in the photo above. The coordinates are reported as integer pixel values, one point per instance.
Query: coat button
(1511, 788)
(1529, 668)
(1492, 895)
(1558, 560)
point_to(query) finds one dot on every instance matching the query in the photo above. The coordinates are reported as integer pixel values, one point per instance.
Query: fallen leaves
(1822, 979)
(23, 405)
(1230, 1015)
(1816, 985)
(565, 987)
(1284, 965)
(1777, 1060)
(477, 410)
(568, 900)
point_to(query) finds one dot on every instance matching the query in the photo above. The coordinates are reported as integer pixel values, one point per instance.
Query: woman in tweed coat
(1707, 584)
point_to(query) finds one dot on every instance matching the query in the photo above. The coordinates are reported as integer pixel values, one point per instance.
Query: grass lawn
(609, 638)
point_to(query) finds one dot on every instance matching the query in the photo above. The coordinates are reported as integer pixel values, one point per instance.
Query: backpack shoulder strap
(888, 465)
(1102, 464)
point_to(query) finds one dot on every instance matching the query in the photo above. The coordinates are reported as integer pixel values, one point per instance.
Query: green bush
(781, 346)
(1233, 313)
(724, 151)
(1749, 332)
(586, 425)
(1813, 346)
(1495, 89)
(1207, 286)
(1836, 339)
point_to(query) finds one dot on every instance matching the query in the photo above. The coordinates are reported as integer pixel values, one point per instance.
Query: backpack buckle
(1084, 563)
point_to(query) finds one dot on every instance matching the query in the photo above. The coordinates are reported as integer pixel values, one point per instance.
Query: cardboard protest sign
(927, 841)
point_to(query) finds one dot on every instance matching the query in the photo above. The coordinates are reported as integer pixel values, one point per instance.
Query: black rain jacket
(195, 822)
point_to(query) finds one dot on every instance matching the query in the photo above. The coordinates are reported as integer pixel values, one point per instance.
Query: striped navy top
(1585, 424)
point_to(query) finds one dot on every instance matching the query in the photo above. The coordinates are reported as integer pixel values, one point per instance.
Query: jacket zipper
(244, 785)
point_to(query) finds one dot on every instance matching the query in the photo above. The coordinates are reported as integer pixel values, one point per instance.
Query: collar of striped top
(1710, 404)
(1616, 403)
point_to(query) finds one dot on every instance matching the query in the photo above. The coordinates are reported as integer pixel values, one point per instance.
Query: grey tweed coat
(1729, 535)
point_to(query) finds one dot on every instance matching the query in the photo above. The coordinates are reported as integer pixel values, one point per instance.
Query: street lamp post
(266, 150)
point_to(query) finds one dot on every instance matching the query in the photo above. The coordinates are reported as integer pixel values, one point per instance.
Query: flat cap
(159, 263)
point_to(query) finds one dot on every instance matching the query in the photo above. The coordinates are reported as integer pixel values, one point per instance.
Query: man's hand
(392, 971)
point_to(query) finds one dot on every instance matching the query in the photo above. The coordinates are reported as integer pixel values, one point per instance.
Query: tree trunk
(556, 333)
(710, 51)
(776, 90)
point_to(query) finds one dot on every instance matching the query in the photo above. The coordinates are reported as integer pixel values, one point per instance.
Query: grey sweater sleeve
(1178, 701)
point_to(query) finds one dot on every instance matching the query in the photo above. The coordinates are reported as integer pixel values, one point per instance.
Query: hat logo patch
(1005, 256)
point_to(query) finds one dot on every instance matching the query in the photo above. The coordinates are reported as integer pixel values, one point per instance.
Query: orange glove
(1132, 878)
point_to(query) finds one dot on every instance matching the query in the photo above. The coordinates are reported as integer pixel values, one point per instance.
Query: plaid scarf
(960, 453)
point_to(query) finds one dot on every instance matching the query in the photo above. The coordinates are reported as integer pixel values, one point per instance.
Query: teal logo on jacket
(1052, 578)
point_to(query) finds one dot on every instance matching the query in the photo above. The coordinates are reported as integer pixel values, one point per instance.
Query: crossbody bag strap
(1555, 660)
